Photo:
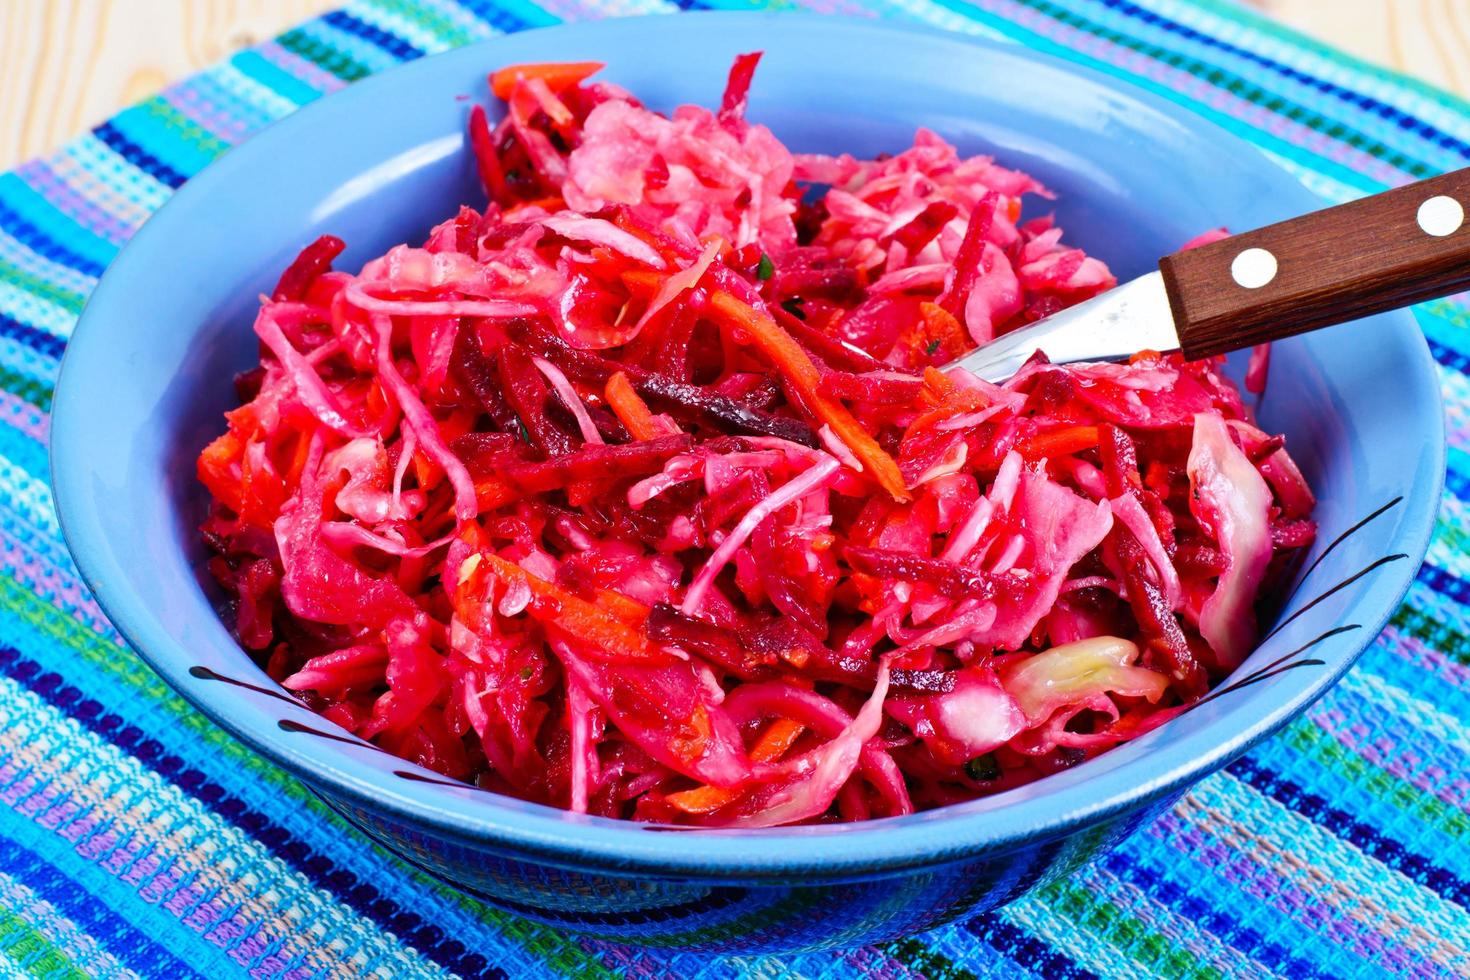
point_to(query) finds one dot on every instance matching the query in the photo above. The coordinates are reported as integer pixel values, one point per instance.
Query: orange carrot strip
(490, 493)
(552, 203)
(219, 469)
(298, 458)
(426, 470)
(601, 633)
(558, 76)
(947, 393)
(949, 400)
(262, 492)
(774, 742)
(630, 611)
(777, 740)
(629, 408)
(937, 333)
(1059, 442)
(793, 364)
(642, 283)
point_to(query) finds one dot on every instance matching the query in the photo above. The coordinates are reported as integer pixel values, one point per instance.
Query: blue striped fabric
(136, 839)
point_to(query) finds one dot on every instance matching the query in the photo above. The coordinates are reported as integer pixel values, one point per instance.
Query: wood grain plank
(1429, 39)
(69, 64)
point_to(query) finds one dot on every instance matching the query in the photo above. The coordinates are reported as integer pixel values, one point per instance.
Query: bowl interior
(147, 376)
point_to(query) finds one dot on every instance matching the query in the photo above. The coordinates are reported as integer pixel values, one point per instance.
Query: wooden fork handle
(1378, 253)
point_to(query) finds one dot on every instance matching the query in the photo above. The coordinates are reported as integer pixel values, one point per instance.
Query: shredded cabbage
(636, 491)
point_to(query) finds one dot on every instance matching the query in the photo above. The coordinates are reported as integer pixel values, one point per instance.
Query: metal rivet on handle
(1441, 216)
(1253, 268)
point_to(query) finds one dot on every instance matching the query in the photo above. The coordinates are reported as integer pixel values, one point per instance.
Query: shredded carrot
(262, 492)
(298, 457)
(948, 399)
(218, 469)
(630, 611)
(472, 534)
(793, 364)
(552, 203)
(602, 633)
(244, 421)
(556, 111)
(642, 283)
(951, 395)
(491, 493)
(939, 334)
(426, 470)
(558, 75)
(1059, 442)
(487, 160)
(938, 384)
(774, 742)
(629, 408)
(688, 737)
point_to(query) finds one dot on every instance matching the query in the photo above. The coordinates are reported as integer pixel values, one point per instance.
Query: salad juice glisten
(638, 493)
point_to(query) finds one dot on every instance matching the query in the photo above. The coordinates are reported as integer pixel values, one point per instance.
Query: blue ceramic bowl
(147, 372)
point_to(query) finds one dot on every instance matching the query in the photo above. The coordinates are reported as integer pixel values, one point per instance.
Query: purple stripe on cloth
(293, 64)
(199, 109)
(40, 573)
(1348, 731)
(1274, 887)
(24, 417)
(1188, 85)
(133, 860)
(83, 210)
(1414, 651)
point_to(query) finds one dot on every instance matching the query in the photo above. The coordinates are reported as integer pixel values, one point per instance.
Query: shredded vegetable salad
(639, 492)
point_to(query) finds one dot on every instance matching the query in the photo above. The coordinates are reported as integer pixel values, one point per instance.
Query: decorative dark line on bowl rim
(1385, 560)
(1280, 665)
(207, 674)
(437, 781)
(287, 725)
(1301, 580)
(1277, 667)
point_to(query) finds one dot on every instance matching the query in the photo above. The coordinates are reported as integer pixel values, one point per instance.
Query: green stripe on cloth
(106, 656)
(323, 56)
(1266, 140)
(122, 863)
(32, 952)
(1433, 633)
(1239, 86)
(1234, 12)
(1307, 738)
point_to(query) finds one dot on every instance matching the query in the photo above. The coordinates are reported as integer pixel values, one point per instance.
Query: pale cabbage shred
(1020, 527)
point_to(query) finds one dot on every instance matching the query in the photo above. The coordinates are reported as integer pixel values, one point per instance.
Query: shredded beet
(638, 493)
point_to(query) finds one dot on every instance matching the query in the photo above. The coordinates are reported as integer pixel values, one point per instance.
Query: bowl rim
(576, 842)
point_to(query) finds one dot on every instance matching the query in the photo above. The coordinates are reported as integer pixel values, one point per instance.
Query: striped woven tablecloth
(138, 839)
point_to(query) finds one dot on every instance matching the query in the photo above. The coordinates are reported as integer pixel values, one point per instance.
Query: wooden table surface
(67, 64)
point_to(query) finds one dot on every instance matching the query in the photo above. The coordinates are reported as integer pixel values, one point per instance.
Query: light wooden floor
(66, 64)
